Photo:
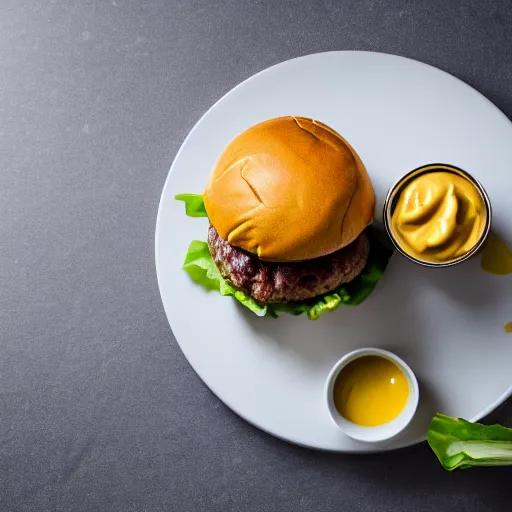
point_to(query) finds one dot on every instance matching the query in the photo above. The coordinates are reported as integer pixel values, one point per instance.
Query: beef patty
(287, 282)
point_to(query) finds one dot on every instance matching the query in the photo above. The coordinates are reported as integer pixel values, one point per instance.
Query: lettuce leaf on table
(202, 269)
(459, 444)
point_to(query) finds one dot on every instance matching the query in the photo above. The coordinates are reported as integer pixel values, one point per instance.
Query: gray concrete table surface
(99, 410)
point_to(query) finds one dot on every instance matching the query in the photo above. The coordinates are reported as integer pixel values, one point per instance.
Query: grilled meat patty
(287, 282)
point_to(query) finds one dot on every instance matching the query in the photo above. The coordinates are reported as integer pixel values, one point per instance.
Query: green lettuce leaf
(460, 444)
(350, 294)
(194, 204)
(202, 269)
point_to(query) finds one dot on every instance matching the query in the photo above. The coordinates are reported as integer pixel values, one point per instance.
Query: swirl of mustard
(439, 217)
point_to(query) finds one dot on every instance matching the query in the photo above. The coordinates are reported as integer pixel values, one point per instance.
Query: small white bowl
(379, 432)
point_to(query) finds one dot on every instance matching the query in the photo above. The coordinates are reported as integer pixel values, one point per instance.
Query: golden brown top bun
(289, 189)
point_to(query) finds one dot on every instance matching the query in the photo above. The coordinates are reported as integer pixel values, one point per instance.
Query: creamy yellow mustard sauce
(439, 217)
(370, 391)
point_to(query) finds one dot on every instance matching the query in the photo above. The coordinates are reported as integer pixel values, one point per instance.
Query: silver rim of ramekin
(397, 188)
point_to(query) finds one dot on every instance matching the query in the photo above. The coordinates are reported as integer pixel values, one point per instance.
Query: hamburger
(289, 202)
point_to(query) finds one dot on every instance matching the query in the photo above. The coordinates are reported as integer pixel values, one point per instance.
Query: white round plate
(447, 324)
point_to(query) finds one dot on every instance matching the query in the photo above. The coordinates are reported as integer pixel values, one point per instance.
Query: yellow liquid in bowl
(370, 391)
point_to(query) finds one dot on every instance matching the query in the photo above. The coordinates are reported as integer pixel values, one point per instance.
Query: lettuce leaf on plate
(194, 204)
(202, 269)
(349, 294)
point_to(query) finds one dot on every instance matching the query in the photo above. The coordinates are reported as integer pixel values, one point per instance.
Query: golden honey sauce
(439, 217)
(370, 391)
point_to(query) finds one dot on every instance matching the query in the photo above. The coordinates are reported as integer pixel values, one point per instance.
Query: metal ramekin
(398, 187)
